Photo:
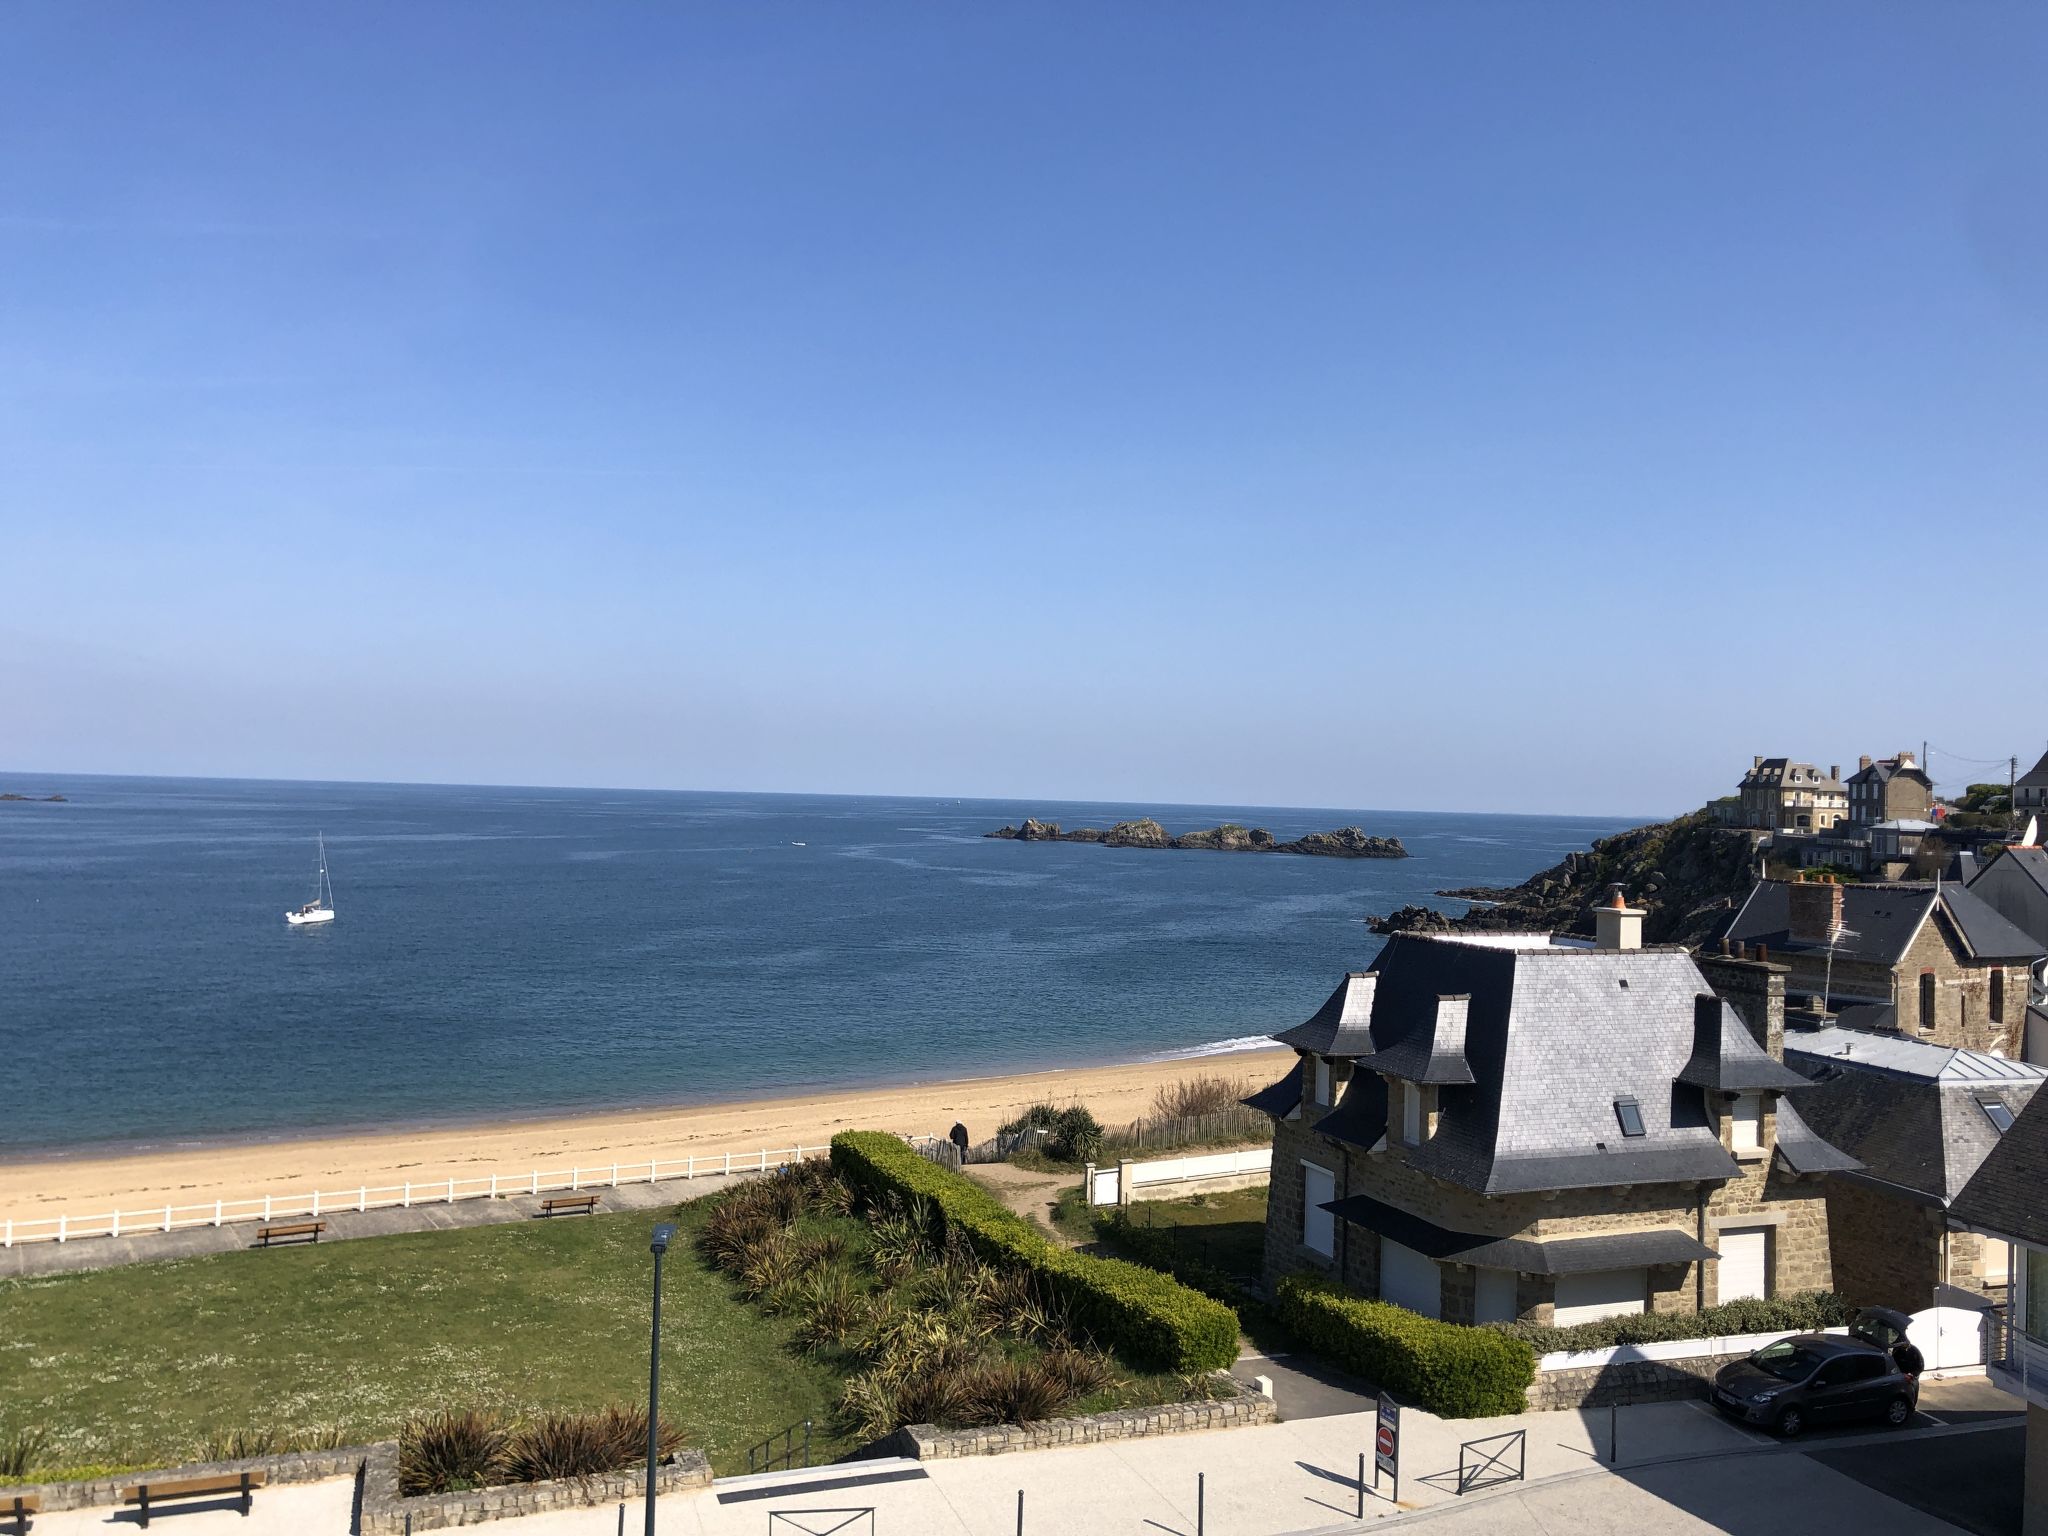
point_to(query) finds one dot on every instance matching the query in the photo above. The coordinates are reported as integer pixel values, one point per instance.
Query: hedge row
(1152, 1320)
(1807, 1312)
(1451, 1370)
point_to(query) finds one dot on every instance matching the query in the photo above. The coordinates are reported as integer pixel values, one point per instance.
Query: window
(1630, 1114)
(2035, 1319)
(1998, 996)
(1322, 1080)
(1411, 1114)
(1927, 1001)
(1318, 1226)
(1748, 1117)
(1999, 1116)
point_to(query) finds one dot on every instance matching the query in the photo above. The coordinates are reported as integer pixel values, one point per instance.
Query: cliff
(1344, 843)
(1688, 875)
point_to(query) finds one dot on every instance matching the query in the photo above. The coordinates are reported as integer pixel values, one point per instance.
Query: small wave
(1218, 1048)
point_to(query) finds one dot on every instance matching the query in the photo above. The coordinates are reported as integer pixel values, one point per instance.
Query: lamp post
(658, 1244)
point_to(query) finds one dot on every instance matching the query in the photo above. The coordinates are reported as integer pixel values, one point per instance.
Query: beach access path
(1681, 1470)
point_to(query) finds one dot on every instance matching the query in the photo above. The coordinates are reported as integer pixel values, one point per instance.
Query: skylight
(1630, 1114)
(1999, 1116)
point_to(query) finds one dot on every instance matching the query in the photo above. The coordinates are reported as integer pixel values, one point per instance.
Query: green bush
(1453, 1371)
(1807, 1312)
(1152, 1320)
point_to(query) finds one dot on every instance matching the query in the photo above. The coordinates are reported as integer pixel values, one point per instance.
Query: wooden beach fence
(366, 1197)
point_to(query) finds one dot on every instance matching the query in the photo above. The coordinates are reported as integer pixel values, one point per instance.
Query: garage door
(1408, 1279)
(1604, 1293)
(1745, 1261)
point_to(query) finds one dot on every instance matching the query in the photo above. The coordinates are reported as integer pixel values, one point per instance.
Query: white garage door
(1604, 1293)
(1410, 1280)
(1745, 1261)
(1495, 1298)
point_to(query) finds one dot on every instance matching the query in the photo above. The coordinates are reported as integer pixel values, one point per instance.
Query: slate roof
(1720, 1061)
(2032, 862)
(1278, 1099)
(2004, 1194)
(1554, 1036)
(2035, 777)
(1911, 1111)
(1360, 1118)
(1536, 1256)
(1434, 1057)
(1881, 920)
(1805, 1150)
(1339, 1027)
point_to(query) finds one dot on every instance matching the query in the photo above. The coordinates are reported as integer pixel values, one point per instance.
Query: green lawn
(139, 1365)
(1227, 1231)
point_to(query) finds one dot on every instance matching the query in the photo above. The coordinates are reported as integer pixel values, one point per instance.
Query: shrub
(584, 1444)
(441, 1451)
(1039, 1117)
(1450, 1370)
(241, 1444)
(1075, 1137)
(1150, 1319)
(831, 1307)
(1807, 1312)
(1208, 1094)
(21, 1449)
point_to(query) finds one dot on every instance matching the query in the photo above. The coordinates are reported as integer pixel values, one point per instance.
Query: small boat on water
(321, 908)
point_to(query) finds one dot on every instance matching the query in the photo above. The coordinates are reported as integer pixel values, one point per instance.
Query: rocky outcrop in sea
(1344, 843)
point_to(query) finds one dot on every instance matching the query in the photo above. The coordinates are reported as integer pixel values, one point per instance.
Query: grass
(146, 1364)
(1226, 1231)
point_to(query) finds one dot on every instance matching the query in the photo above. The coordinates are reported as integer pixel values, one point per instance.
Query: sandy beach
(137, 1181)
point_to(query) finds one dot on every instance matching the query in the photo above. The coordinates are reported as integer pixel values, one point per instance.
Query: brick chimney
(1617, 925)
(1863, 762)
(1755, 989)
(1835, 772)
(1814, 910)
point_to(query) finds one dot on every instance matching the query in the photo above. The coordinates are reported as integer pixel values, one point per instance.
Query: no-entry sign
(1386, 1442)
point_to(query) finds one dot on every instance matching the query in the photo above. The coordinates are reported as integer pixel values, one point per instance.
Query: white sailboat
(321, 908)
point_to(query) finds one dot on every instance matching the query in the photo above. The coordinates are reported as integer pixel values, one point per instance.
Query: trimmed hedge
(1452, 1371)
(1152, 1320)
(1807, 1312)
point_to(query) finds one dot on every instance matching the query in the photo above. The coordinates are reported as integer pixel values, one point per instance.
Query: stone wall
(1887, 1250)
(293, 1467)
(1625, 1381)
(1243, 1406)
(387, 1513)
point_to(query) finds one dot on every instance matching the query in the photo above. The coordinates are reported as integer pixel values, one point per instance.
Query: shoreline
(43, 1184)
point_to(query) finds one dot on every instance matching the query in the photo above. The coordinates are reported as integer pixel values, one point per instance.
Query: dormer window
(1322, 1079)
(1630, 1114)
(1999, 1116)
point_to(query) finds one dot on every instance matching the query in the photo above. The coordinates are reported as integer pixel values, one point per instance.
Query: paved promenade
(146, 1247)
(1681, 1470)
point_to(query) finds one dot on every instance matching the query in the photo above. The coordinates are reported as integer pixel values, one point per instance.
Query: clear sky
(1468, 406)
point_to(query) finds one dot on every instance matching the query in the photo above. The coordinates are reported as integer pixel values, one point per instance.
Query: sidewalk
(24, 1260)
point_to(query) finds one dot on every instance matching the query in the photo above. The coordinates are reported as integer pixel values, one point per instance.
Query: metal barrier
(1484, 1463)
(821, 1522)
(793, 1452)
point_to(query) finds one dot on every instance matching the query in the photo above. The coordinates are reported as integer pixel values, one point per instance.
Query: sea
(503, 952)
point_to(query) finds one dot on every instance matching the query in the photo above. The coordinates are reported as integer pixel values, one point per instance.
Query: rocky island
(45, 799)
(1344, 843)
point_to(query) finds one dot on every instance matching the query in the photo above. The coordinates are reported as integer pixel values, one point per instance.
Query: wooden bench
(233, 1484)
(308, 1230)
(18, 1507)
(556, 1204)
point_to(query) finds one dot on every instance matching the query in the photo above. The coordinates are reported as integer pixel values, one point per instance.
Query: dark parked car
(1826, 1378)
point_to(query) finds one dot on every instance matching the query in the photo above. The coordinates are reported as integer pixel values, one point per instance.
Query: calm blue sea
(529, 951)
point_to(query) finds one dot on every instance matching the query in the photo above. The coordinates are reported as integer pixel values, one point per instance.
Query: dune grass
(147, 1364)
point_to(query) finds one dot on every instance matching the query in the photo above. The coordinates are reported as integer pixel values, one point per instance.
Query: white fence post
(536, 1183)
(451, 1191)
(61, 1220)
(406, 1199)
(494, 1186)
(316, 1202)
(728, 1164)
(266, 1207)
(363, 1198)
(690, 1168)
(167, 1218)
(575, 1179)
(615, 1176)
(217, 1208)
(112, 1231)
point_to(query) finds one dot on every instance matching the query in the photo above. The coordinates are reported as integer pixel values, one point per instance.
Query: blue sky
(1468, 406)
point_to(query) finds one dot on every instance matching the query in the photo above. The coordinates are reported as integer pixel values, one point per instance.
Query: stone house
(1490, 1127)
(1921, 1119)
(1891, 788)
(1949, 968)
(2003, 1202)
(2030, 793)
(1779, 795)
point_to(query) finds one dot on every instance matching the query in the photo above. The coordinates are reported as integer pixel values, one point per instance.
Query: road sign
(1386, 1442)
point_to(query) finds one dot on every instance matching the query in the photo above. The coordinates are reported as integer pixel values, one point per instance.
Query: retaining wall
(1245, 1405)
(387, 1513)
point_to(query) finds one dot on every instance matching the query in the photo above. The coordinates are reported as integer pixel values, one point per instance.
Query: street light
(658, 1244)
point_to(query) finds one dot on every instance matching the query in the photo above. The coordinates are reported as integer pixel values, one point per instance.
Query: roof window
(1630, 1114)
(1999, 1116)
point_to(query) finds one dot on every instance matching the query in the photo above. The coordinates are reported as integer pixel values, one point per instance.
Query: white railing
(369, 1197)
(1160, 1178)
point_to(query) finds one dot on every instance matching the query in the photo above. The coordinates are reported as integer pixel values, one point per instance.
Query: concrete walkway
(1683, 1470)
(83, 1253)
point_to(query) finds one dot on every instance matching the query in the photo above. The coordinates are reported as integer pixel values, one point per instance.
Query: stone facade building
(1890, 789)
(1522, 1126)
(1779, 795)
(2030, 794)
(1921, 1119)
(1938, 962)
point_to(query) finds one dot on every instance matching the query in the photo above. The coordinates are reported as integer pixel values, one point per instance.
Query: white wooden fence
(1948, 1338)
(368, 1197)
(1166, 1177)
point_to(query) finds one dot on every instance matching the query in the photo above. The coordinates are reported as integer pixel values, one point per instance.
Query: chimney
(1863, 762)
(1835, 772)
(1755, 989)
(1756, 762)
(1706, 1025)
(1617, 925)
(1815, 910)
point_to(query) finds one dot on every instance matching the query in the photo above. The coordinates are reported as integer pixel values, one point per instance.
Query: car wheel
(1791, 1422)
(1897, 1412)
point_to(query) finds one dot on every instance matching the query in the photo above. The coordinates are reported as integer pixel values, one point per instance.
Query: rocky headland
(1687, 875)
(1344, 843)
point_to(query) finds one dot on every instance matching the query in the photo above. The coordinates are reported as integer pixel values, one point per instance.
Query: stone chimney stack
(1617, 925)
(1863, 762)
(1835, 772)
(1755, 989)
(1814, 910)
(1756, 762)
